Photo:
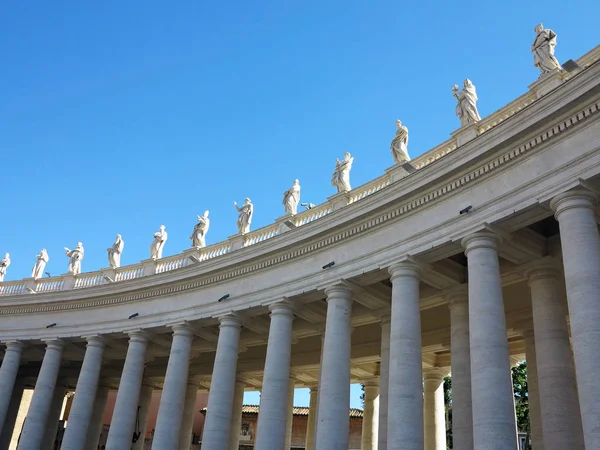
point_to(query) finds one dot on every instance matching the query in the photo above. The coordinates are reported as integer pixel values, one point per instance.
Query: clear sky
(117, 117)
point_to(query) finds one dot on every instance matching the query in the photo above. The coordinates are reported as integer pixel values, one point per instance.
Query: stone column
(97, 420)
(51, 430)
(170, 411)
(11, 415)
(312, 418)
(272, 418)
(493, 407)
(405, 395)
(334, 391)
(217, 427)
(37, 415)
(85, 395)
(580, 243)
(384, 370)
(189, 409)
(236, 420)
(144, 410)
(560, 415)
(370, 423)
(8, 375)
(434, 414)
(124, 416)
(462, 413)
(533, 395)
(289, 424)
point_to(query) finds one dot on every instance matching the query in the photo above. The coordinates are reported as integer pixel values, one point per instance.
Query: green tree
(519, 379)
(448, 409)
(362, 395)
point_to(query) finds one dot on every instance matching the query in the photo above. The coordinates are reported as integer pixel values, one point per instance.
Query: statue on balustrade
(160, 237)
(466, 109)
(399, 145)
(245, 218)
(291, 198)
(543, 50)
(341, 175)
(40, 264)
(114, 252)
(75, 258)
(198, 236)
(4, 263)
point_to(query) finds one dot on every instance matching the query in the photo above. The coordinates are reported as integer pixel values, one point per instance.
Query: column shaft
(312, 419)
(217, 427)
(236, 419)
(8, 375)
(405, 394)
(124, 416)
(144, 403)
(559, 403)
(493, 408)
(172, 400)
(37, 415)
(533, 395)
(462, 413)
(97, 420)
(370, 424)
(53, 419)
(85, 395)
(289, 425)
(11, 416)
(187, 420)
(434, 414)
(273, 415)
(334, 391)
(384, 370)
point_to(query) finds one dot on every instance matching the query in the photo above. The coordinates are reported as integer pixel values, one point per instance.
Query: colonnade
(409, 401)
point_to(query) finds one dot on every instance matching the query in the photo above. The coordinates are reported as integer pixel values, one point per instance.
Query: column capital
(481, 239)
(546, 268)
(138, 336)
(371, 383)
(14, 346)
(340, 288)
(435, 373)
(182, 329)
(406, 268)
(54, 344)
(230, 320)
(95, 340)
(457, 296)
(283, 308)
(577, 198)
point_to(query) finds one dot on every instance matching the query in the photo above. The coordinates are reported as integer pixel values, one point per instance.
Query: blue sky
(117, 117)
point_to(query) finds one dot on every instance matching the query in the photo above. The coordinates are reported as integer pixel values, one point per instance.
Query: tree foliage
(520, 387)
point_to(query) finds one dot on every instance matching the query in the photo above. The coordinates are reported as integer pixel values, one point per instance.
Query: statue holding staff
(198, 236)
(75, 258)
(341, 174)
(466, 109)
(156, 248)
(245, 217)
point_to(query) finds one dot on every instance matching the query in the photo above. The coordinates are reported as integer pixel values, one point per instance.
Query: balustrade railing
(184, 259)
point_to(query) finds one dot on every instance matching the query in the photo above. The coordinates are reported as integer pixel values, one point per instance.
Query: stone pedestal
(339, 200)
(547, 82)
(397, 172)
(466, 134)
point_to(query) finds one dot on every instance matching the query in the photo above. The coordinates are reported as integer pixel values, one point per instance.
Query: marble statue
(245, 217)
(291, 198)
(40, 264)
(114, 252)
(4, 263)
(160, 237)
(198, 236)
(543, 50)
(341, 175)
(399, 145)
(466, 109)
(75, 258)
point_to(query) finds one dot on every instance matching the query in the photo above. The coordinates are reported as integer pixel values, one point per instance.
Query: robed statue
(198, 236)
(245, 217)
(341, 174)
(156, 248)
(466, 109)
(399, 145)
(4, 263)
(40, 264)
(75, 258)
(543, 50)
(291, 198)
(114, 252)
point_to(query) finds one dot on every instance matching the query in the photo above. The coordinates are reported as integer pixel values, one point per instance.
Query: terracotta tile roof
(298, 411)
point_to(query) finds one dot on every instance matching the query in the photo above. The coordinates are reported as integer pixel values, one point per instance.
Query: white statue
(40, 264)
(341, 175)
(75, 258)
(399, 145)
(4, 263)
(114, 252)
(245, 217)
(198, 236)
(291, 198)
(466, 109)
(543, 50)
(156, 249)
